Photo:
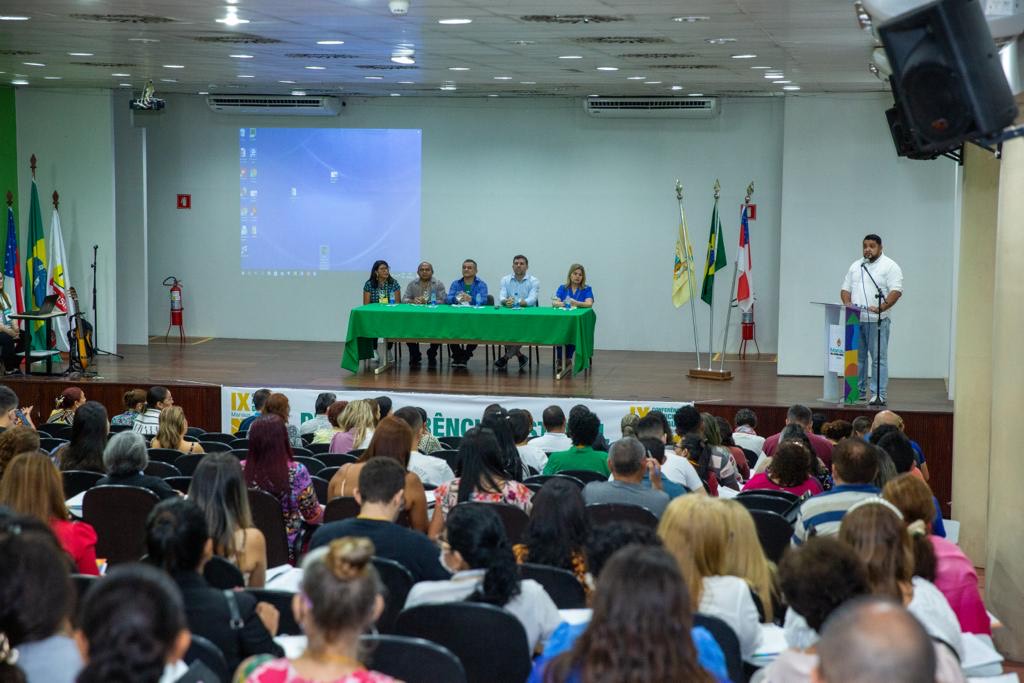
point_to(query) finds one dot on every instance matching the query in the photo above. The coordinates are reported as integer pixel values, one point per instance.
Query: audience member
(356, 424)
(888, 417)
(383, 407)
(218, 488)
(677, 472)
(340, 599)
(557, 533)
(497, 422)
(319, 420)
(854, 466)
(946, 566)
(381, 495)
(696, 530)
(874, 529)
(817, 420)
(521, 423)
(898, 447)
(333, 415)
(9, 409)
(428, 442)
(801, 415)
(745, 558)
(69, 401)
(790, 469)
(836, 430)
(745, 432)
(132, 628)
(270, 467)
(600, 442)
(172, 430)
(88, 438)
(739, 457)
(655, 449)
(125, 458)
(277, 404)
(32, 486)
(431, 471)
(722, 461)
(628, 462)
(391, 440)
(627, 425)
(134, 405)
(476, 550)
(259, 399)
(886, 466)
(484, 479)
(698, 453)
(178, 541)
(554, 437)
(148, 423)
(584, 428)
(15, 441)
(861, 427)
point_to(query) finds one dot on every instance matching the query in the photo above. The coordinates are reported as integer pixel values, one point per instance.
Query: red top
(761, 481)
(822, 447)
(79, 541)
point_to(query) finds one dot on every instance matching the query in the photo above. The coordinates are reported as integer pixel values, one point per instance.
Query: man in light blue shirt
(517, 290)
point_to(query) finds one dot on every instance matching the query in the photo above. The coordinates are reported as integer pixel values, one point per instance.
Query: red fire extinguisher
(176, 307)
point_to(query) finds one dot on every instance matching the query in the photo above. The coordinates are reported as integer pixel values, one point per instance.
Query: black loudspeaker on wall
(946, 77)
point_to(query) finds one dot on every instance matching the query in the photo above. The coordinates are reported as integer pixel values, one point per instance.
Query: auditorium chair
(240, 453)
(318, 448)
(514, 519)
(179, 484)
(335, 459)
(191, 438)
(57, 431)
(219, 436)
(412, 660)
(305, 452)
(586, 476)
(168, 455)
(209, 654)
(282, 600)
(784, 495)
(240, 444)
(76, 481)
(534, 486)
(450, 442)
(311, 463)
(356, 452)
(118, 514)
(341, 507)
(195, 431)
(214, 446)
(774, 532)
(489, 641)
(606, 513)
(398, 582)
(221, 574)
(327, 473)
(727, 641)
(114, 429)
(82, 584)
(564, 588)
(320, 486)
(187, 463)
(542, 479)
(268, 518)
(155, 468)
(307, 438)
(786, 508)
(453, 459)
(50, 444)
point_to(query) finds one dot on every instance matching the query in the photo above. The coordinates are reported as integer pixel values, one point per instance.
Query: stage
(196, 371)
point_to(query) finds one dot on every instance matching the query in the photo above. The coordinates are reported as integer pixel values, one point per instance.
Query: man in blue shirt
(517, 290)
(468, 289)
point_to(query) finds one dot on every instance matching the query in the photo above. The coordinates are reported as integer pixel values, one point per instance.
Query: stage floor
(621, 375)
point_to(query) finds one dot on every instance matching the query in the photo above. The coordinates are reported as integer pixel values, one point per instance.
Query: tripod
(95, 316)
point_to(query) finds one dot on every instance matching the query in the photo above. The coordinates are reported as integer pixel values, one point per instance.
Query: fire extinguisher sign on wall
(177, 309)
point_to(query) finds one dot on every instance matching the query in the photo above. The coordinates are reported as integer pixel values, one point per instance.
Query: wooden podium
(840, 353)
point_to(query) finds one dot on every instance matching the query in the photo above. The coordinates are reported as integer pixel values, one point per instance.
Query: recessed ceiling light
(527, 82)
(52, 78)
(33, 64)
(407, 82)
(690, 19)
(783, 82)
(80, 54)
(174, 66)
(232, 2)
(374, 78)
(396, 94)
(315, 68)
(330, 42)
(695, 94)
(299, 93)
(19, 81)
(607, 68)
(448, 87)
(403, 59)
(766, 68)
(492, 95)
(168, 80)
(719, 41)
(593, 95)
(124, 85)
(522, 43)
(636, 78)
(121, 75)
(203, 92)
(8, 17)
(287, 82)
(232, 20)
(503, 78)
(454, 22)
(744, 56)
(458, 68)
(652, 82)
(246, 76)
(144, 40)
(773, 76)
(791, 87)
(240, 56)
(571, 57)
(677, 87)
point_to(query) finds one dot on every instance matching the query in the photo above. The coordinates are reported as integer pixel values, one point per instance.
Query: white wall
(71, 134)
(499, 177)
(130, 185)
(842, 180)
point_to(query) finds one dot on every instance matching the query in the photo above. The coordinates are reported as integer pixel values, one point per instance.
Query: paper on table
(74, 504)
(726, 492)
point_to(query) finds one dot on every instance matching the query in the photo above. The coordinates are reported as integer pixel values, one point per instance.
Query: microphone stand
(95, 317)
(878, 335)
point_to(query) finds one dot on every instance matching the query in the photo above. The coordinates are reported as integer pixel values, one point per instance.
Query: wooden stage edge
(195, 373)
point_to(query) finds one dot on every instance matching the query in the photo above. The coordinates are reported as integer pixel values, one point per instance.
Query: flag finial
(32, 163)
(750, 191)
(718, 189)
(56, 199)
(10, 199)
(679, 190)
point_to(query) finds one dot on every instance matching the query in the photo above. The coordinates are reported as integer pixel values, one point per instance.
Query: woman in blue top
(575, 293)
(379, 288)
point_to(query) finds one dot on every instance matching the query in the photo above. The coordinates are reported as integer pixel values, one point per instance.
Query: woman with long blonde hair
(356, 423)
(696, 530)
(172, 430)
(746, 558)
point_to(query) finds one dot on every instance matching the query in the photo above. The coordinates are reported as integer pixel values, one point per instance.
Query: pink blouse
(761, 481)
(956, 578)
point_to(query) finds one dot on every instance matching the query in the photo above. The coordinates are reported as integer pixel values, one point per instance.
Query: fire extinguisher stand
(177, 310)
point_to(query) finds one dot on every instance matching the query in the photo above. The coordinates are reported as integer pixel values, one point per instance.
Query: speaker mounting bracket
(994, 143)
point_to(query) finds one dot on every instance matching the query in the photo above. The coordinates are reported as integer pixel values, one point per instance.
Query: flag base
(718, 375)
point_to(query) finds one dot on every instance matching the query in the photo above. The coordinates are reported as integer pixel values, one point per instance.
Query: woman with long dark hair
(271, 468)
(382, 288)
(558, 529)
(640, 629)
(484, 479)
(497, 421)
(88, 439)
(476, 550)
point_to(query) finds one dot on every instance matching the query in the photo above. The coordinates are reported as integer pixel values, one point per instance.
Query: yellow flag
(683, 268)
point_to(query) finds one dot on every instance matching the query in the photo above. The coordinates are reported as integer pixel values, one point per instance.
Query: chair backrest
(240, 443)
(320, 485)
(356, 452)
(240, 453)
(48, 443)
(513, 518)
(241, 434)
(299, 450)
(282, 600)
(118, 514)
(785, 495)
(155, 468)
(168, 455)
(751, 457)
(453, 459)
(221, 574)
(307, 438)
(218, 436)
(605, 513)
(489, 641)
(269, 518)
(188, 462)
(114, 429)
(586, 476)
(450, 442)
(312, 464)
(328, 473)
(774, 531)
(82, 584)
(76, 481)
(534, 486)
(209, 654)
(786, 508)
(413, 660)
(191, 438)
(214, 446)
(179, 484)
(398, 581)
(341, 507)
(58, 431)
(564, 588)
(727, 640)
(195, 431)
(318, 448)
(335, 459)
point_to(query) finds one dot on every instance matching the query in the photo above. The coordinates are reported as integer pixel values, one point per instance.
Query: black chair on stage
(342, 507)
(413, 660)
(118, 514)
(398, 581)
(489, 641)
(335, 459)
(209, 654)
(312, 464)
(179, 484)
(282, 600)
(453, 459)
(214, 446)
(76, 481)
(188, 463)
(168, 455)
(774, 531)
(318, 448)
(727, 641)
(219, 436)
(513, 519)
(268, 518)
(605, 513)
(155, 468)
(221, 574)
(586, 476)
(564, 588)
(320, 486)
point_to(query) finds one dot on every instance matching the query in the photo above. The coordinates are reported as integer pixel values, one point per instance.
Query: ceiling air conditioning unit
(275, 105)
(651, 107)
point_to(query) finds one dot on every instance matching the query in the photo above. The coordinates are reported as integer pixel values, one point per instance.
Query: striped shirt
(824, 512)
(147, 423)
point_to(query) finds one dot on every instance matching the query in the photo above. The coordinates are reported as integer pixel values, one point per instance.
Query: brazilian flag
(716, 259)
(35, 268)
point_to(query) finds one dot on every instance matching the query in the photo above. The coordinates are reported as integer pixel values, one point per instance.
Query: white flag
(57, 281)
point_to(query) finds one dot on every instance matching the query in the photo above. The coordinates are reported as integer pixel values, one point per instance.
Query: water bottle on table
(479, 299)
(391, 298)
(433, 298)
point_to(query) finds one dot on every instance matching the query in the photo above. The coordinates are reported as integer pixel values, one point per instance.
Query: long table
(544, 326)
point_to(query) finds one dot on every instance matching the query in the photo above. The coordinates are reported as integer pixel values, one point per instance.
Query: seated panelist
(424, 290)
(468, 289)
(575, 293)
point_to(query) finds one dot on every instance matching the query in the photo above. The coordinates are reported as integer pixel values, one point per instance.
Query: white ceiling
(816, 44)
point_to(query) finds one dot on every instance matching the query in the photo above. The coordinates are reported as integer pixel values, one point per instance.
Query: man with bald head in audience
(888, 417)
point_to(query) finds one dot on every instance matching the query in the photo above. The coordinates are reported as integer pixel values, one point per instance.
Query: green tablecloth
(536, 325)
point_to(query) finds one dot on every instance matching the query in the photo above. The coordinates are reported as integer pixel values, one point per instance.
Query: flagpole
(690, 270)
(732, 289)
(711, 314)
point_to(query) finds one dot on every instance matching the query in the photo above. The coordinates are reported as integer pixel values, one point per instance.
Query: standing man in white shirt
(867, 277)
(517, 290)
